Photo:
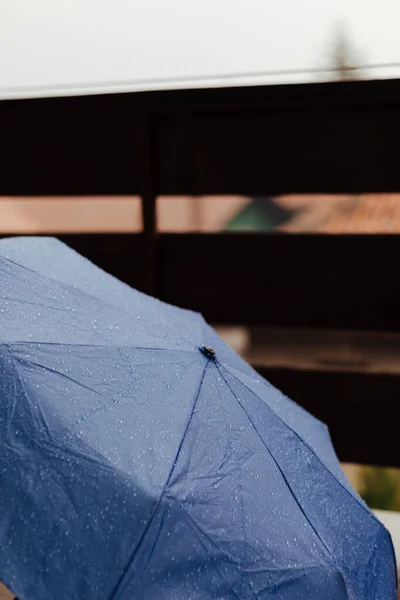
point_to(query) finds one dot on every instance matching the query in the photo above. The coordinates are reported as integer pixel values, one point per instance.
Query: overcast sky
(65, 42)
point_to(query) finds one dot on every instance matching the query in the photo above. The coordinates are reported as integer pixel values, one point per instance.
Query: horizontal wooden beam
(297, 149)
(66, 155)
(330, 137)
(359, 409)
(338, 281)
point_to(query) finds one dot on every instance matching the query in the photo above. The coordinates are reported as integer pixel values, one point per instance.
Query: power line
(145, 82)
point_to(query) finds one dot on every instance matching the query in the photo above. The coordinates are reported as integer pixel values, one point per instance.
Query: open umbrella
(140, 457)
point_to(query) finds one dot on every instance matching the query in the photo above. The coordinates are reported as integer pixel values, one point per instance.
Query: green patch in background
(260, 214)
(380, 488)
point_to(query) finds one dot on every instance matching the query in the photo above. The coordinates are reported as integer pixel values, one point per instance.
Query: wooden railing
(322, 138)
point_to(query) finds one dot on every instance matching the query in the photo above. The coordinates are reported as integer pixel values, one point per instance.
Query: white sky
(80, 42)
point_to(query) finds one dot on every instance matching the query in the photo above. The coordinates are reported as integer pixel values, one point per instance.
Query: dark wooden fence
(320, 138)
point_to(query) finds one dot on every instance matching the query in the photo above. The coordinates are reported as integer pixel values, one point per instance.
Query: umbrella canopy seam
(92, 345)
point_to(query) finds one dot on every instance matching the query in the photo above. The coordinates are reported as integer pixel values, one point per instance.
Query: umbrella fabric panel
(347, 529)
(130, 406)
(68, 521)
(193, 567)
(44, 310)
(381, 575)
(68, 418)
(310, 430)
(43, 272)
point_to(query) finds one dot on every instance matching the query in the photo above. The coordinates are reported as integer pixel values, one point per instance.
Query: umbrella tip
(208, 352)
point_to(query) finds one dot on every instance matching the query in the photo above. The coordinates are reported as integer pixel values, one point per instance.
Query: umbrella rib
(94, 345)
(308, 447)
(166, 484)
(68, 377)
(276, 463)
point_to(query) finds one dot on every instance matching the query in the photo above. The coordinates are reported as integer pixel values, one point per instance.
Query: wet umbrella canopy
(142, 458)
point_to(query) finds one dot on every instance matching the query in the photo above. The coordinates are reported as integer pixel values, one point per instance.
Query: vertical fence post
(148, 194)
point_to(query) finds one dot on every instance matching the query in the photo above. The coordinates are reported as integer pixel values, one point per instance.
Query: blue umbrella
(141, 458)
